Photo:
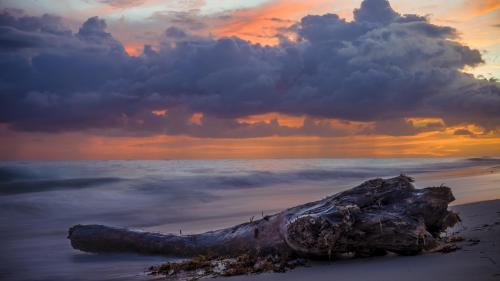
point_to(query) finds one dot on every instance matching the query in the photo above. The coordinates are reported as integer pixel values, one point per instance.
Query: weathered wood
(377, 216)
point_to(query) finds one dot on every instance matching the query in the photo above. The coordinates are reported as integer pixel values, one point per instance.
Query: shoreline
(45, 254)
(461, 172)
(469, 184)
(478, 256)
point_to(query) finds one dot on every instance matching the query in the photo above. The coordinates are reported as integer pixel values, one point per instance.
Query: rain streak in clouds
(382, 68)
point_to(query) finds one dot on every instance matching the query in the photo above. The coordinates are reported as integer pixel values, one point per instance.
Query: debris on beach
(205, 267)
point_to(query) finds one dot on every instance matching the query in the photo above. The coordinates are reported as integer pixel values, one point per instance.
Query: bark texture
(377, 216)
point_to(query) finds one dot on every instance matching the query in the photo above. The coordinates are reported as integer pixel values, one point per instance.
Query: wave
(8, 174)
(485, 160)
(30, 186)
(196, 177)
(256, 179)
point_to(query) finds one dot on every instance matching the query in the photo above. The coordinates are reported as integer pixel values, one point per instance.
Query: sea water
(39, 201)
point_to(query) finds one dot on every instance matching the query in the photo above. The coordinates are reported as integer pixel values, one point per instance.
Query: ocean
(39, 201)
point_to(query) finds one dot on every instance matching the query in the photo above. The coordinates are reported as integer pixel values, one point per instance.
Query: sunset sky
(195, 79)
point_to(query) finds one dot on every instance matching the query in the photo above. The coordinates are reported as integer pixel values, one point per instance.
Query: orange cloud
(160, 113)
(134, 49)
(196, 118)
(283, 120)
(40, 146)
(481, 7)
(260, 24)
(424, 122)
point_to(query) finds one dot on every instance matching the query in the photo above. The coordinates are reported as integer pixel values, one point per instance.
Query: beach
(477, 257)
(41, 200)
(481, 261)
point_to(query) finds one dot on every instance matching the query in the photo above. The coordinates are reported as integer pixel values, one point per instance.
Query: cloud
(381, 68)
(262, 23)
(376, 11)
(123, 3)
(481, 7)
(175, 32)
(463, 132)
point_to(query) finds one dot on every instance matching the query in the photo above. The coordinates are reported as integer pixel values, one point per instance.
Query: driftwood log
(377, 216)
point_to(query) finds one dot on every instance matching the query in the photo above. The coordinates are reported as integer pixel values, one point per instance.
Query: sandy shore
(481, 261)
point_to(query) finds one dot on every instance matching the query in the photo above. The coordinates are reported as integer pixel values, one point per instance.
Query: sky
(214, 79)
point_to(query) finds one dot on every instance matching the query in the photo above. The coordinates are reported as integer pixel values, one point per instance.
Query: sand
(481, 221)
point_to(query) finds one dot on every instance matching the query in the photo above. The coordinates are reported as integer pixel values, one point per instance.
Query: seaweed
(207, 267)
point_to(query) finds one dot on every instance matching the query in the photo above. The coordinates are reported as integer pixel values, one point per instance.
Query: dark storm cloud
(382, 67)
(175, 32)
(377, 11)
